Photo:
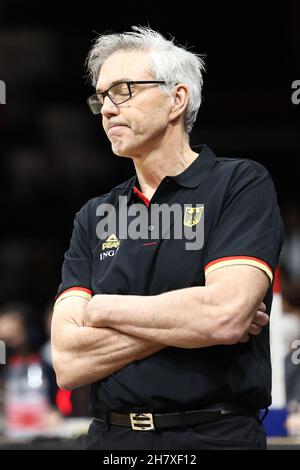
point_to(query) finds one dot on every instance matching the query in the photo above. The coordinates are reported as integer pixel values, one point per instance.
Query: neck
(166, 160)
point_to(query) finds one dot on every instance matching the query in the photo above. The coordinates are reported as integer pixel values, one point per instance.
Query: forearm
(82, 355)
(168, 318)
(220, 312)
(95, 353)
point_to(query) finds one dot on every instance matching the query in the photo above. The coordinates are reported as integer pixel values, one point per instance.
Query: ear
(181, 99)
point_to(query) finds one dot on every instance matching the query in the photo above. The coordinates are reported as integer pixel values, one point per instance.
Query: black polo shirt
(242, 225)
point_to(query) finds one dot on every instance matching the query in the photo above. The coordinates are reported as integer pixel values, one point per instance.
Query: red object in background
(277, 283)
(63, 402)
(25, 398)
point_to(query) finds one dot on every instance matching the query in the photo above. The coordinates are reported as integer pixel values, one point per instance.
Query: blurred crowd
(31, 403)
(290, 282)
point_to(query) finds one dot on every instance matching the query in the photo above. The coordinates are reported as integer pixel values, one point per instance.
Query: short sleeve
(249, 230)
(77, 265)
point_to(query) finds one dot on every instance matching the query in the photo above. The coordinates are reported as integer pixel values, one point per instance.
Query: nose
(109, 108)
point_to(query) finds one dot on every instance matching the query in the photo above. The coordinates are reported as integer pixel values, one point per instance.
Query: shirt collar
(193, 175)
(197, 171)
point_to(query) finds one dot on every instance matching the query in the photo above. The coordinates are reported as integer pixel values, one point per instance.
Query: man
(171, 336)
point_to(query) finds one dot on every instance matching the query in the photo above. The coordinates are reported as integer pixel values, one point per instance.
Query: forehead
(123, 65)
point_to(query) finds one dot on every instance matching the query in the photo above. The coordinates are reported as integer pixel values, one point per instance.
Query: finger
(262, 307)
(261, 319)
(254, 329)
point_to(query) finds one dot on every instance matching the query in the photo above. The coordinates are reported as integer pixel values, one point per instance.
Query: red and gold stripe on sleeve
(74, 292)
(238, 260)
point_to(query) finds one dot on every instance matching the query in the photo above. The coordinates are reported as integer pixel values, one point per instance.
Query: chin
(121, 155)
(122, 150)
(119, 152)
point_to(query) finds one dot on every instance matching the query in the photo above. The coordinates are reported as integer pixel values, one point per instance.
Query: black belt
(150, 421)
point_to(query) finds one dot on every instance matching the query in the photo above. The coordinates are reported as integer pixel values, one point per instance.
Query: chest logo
(111, 242)
(192, 216)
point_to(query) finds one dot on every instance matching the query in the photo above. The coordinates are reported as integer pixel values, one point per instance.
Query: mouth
(116, 128)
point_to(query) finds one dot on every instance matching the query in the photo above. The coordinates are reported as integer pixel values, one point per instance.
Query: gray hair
(169, 62)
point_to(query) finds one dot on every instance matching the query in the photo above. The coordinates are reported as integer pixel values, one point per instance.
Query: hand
(97, 310)
(260, 319)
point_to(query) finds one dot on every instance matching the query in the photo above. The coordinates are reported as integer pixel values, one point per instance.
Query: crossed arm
(92, 340)
(82, 355)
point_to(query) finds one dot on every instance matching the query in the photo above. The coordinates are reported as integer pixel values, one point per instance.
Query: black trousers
(230, 432)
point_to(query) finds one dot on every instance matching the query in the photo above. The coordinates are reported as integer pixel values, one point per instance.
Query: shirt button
(151, 227)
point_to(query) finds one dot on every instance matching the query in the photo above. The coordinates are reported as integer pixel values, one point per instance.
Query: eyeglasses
(118, 94)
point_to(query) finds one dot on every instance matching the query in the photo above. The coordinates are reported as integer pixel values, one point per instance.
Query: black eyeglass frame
(106, 93)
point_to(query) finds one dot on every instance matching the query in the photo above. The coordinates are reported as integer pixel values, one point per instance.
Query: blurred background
(54, 154)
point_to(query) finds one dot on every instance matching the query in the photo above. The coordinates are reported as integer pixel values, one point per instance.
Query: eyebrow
(120, 80)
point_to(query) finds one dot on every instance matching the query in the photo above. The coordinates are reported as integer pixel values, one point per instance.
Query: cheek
(150, 122)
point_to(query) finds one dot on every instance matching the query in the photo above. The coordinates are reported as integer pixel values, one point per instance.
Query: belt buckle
(142, 421)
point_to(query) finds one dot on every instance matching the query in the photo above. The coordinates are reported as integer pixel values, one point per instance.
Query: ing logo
(110, 247)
